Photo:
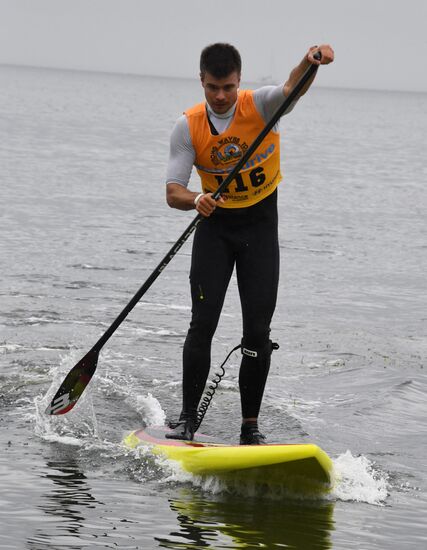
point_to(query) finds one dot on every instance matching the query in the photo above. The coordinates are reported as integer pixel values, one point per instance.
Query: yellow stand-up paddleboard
(301, 468)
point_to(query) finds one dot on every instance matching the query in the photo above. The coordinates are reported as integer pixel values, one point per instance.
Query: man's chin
(220, 109)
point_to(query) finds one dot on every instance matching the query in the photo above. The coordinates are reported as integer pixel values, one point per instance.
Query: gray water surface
(83, 224)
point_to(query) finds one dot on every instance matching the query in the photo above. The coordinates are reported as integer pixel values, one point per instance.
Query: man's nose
(220, 94)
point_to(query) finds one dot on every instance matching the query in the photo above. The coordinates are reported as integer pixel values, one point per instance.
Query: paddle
(80, 375)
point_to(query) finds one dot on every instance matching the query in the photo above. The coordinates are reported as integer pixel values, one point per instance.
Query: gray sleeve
(181, 154)
(268, 99)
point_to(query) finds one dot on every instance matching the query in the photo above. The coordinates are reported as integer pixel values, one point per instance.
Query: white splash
(74, 428)
(357, 480)
(149, 408)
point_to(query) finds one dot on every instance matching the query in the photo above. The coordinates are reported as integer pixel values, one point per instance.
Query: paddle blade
(74, 384)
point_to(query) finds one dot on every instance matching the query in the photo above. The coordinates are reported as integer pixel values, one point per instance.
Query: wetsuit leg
(257, 268)
(253, 375)
(211, 268)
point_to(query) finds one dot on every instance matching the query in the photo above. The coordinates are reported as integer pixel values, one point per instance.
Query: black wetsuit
(246, 238)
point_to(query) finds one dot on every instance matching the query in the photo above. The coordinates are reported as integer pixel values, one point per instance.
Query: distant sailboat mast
(269, 77)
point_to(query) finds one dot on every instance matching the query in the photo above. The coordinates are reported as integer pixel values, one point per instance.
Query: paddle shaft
(183, 238)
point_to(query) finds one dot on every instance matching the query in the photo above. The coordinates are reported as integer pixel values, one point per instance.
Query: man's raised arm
(296, 74)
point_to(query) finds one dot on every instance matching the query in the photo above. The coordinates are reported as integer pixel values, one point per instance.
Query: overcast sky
(379, 44)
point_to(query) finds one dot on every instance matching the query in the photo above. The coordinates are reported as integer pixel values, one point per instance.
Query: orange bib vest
(217, 155)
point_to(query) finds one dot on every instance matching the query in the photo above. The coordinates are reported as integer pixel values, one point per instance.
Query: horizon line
(266, 81)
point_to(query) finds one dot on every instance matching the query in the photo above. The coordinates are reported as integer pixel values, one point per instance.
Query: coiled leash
(210, 392)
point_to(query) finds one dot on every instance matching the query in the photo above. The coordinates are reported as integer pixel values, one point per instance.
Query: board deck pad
(300, 467)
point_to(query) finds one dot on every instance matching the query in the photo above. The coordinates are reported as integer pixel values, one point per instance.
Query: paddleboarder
(239, 230)
(245, 236)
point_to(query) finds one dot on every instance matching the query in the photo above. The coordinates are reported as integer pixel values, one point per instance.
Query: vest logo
(228, 150)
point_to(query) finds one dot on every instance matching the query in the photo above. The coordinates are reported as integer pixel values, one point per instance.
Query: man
(240, 229)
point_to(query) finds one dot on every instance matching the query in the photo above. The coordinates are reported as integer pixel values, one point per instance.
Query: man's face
(221, 93)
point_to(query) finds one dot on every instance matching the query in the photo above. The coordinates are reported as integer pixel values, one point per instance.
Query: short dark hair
(220, 60)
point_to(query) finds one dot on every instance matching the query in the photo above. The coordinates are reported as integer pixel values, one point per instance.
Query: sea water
(83, 224)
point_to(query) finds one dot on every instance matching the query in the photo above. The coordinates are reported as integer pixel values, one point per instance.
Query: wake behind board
(299, 467)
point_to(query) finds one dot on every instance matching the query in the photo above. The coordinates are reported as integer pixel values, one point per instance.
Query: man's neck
(228, 114)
